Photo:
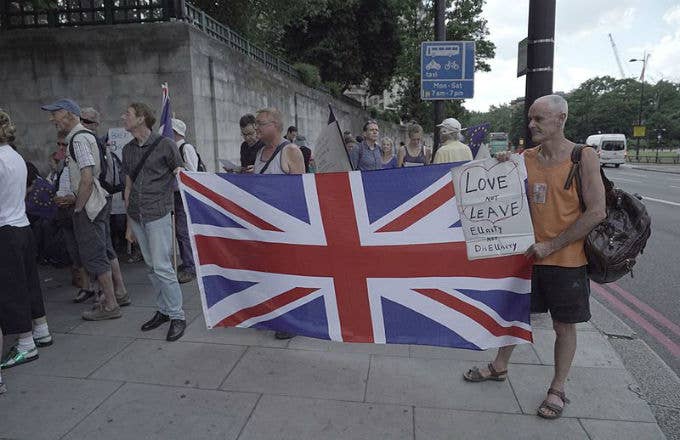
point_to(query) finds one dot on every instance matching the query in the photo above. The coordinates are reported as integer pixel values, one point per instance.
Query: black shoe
(176, 329)
(283, 335)
(154, 322)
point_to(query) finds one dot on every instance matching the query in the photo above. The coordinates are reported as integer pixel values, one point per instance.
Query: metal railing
(237, 42)
(21, 14)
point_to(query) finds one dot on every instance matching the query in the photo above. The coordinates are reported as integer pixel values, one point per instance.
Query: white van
(611, 148)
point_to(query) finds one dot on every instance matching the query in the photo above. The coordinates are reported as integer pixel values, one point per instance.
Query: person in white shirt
(452, 149)
(187, 270)
(22, 310)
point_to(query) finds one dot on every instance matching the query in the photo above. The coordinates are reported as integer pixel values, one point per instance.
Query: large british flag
(373, 256)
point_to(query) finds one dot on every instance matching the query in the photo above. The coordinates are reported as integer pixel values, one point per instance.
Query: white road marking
(651, 199)
(625, 180)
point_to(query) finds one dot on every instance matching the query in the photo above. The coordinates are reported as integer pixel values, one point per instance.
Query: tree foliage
(351, 41)
(603, 105)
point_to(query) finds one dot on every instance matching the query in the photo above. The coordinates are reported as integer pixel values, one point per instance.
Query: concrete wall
(108, 67)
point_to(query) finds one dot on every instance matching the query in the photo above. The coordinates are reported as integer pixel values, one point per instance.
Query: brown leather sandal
(475, 375)
(557, 410)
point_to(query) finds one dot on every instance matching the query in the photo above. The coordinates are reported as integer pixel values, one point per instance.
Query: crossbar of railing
(236, 41)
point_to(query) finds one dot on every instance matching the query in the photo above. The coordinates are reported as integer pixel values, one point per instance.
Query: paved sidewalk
(108, 380)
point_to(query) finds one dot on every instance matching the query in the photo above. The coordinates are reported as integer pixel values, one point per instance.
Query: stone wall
(108, 67)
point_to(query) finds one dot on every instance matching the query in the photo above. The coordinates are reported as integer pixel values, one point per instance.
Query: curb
(655, 379)
(658, 170)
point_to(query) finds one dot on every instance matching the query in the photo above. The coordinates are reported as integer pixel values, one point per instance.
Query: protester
(559, 281)
(451, 149)
(366, 156)
(388, 159)
(91, 119)
(22, 310)
(151, 162)
(414, 152)
(251, 143)
(350, 143)
(65, 200)
(186, 272)
(278, 156)
(91, 212)
(291, 134)
(301, 142)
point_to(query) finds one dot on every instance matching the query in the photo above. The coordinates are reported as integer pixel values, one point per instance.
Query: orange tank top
(553, 209)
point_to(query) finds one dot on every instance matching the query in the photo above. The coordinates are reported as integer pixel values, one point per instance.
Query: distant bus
(498, 142)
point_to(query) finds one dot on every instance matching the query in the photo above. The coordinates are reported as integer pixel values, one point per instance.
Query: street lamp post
(642, 97)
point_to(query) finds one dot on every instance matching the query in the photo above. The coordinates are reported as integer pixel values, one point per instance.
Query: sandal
(83, 295)
(475, 375)
(557, 410)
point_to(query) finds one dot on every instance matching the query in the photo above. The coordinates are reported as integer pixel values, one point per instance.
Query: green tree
(351, 41)
(262, 22)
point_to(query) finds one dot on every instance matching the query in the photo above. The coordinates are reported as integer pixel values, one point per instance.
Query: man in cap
(451, 149)
(187, 271)
(91, 211)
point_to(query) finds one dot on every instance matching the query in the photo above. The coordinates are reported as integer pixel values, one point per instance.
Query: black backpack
(612, 246)
(201, 165)
(111, 173)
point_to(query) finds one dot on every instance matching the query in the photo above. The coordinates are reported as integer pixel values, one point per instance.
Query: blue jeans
(155, 241)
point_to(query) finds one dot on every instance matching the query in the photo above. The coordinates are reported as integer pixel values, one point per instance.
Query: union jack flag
(373, 256)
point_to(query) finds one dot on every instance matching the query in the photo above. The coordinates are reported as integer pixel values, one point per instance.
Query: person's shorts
(94, 240)
(562, 291)
(20, 295)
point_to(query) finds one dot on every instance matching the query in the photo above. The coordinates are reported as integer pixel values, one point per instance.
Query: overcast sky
(582, 48)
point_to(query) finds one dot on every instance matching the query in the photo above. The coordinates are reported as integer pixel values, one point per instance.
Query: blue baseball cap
(66, 104)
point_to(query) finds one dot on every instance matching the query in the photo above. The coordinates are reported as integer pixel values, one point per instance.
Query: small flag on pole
(330, 154)
(166, 114)
(475, 136)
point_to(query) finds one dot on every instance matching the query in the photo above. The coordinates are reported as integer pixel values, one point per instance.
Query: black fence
(16, 14)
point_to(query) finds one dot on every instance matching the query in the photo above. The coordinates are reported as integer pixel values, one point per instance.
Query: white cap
(451, 124)
(179, 127)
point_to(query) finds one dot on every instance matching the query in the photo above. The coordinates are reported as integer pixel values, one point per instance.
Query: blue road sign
(447, 69)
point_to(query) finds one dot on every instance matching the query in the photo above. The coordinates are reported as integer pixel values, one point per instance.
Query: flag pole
(337, 124)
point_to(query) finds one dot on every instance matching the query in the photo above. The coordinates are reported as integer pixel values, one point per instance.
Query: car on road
(611, 148)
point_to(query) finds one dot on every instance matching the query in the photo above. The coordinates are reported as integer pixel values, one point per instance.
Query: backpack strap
(276, 152)
(71, 151)
(147, 153)
(181, 151)
(575, 173)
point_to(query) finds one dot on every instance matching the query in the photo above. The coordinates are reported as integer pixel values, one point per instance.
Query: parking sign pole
(440, 35)
(540, 55)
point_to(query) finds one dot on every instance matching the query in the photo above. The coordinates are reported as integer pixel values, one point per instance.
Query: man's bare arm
(294, 162)
(594, 199)
(84, 188)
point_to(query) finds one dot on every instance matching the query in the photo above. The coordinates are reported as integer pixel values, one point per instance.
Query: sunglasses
(87, 121)
(62, 144)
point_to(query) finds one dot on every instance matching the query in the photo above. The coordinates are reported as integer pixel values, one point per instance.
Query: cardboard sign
(118, 138)
(493, 207)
